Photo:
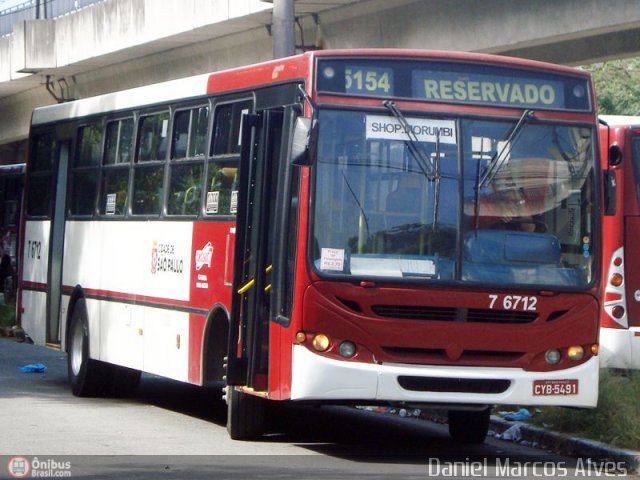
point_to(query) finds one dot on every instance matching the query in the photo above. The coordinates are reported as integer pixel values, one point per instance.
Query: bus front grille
(450, 314)
(454, 385)
(415, 355)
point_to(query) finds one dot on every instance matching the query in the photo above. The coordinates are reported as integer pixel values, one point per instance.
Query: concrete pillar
(282, 29)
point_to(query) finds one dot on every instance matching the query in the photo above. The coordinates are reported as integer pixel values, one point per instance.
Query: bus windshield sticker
(417, 267)
(213, 199)
(111, 204)
(332, 259)
(233, 207)
(381, 127)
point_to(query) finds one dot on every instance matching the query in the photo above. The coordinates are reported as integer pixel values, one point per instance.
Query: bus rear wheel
(86, 376)
(469, 426)
(245, 415)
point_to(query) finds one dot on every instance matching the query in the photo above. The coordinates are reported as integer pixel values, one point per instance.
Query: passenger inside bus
(403, 215)
(404, 200)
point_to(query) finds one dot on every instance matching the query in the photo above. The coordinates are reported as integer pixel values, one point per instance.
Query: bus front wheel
(124, 381)
(469, 426)
(245, 415)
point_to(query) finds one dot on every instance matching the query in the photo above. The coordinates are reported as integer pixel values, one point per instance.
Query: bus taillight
(618, 311)
(616, 280)
(615, 303)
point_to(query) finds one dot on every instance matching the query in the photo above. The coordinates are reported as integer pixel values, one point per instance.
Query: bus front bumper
(315, 377)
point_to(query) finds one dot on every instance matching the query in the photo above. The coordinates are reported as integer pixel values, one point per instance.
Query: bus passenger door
(248, 357)
(56, 248)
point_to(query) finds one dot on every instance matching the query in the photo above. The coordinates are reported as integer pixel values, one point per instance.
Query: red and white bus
(620, 332)
(360, 227)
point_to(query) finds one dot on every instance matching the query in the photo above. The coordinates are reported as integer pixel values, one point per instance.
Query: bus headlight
(552, 356)
(347, 349)
(575, 353)
(321, 342)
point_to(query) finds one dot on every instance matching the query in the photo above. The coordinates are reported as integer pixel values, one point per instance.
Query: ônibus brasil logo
(19, 467)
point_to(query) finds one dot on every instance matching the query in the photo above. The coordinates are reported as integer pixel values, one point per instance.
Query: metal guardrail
(34, 9)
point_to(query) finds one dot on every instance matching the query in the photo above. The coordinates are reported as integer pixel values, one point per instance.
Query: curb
(566, 444)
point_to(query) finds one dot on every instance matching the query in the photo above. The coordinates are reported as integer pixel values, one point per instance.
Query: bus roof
(183, 88)
(255, 74)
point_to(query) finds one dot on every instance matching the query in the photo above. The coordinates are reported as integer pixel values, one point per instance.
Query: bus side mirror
(303, 145)
(615, 155)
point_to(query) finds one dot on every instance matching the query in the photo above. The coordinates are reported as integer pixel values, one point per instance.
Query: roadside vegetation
(617, 85)
(616, 420)
(7, 315)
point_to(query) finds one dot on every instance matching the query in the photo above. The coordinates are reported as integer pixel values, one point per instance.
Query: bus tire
(469, 426)
(123, 381)
(86, 376)
(245, 415)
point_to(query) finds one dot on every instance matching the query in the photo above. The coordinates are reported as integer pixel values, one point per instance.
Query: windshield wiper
(360, 207)
(499, 159)
(428, 169)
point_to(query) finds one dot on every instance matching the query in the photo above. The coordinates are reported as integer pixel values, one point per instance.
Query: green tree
(617, 84)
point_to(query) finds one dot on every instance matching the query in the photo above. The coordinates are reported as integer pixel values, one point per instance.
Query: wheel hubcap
(77, 344)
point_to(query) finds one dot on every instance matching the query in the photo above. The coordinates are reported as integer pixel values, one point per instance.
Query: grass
(616, 420)
(7, 315)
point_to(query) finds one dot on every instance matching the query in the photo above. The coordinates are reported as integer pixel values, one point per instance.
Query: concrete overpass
(117, 44)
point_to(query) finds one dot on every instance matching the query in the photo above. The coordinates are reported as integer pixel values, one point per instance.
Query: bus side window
(86, 163)
(114, 189)
(41, 175)
(187, 161)
(222, 169)
(148, 175)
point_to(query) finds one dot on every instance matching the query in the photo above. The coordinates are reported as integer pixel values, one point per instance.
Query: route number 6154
(513, 302)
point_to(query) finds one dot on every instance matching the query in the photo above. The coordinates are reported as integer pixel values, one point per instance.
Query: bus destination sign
(487, 89)
(368, 80)
(453, 82)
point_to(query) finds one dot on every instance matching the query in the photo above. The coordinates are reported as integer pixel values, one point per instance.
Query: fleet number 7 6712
(513, 302)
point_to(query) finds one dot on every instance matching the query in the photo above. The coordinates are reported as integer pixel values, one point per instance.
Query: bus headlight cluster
(574, 352)
(321, 343)
(552, 356)
(347, 349)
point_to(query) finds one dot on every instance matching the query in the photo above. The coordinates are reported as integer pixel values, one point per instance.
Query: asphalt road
(172, 430)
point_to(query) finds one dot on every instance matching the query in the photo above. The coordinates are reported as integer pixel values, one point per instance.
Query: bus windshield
(453, 199)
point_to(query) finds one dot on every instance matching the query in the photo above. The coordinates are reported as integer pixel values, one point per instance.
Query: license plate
(555, 387)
